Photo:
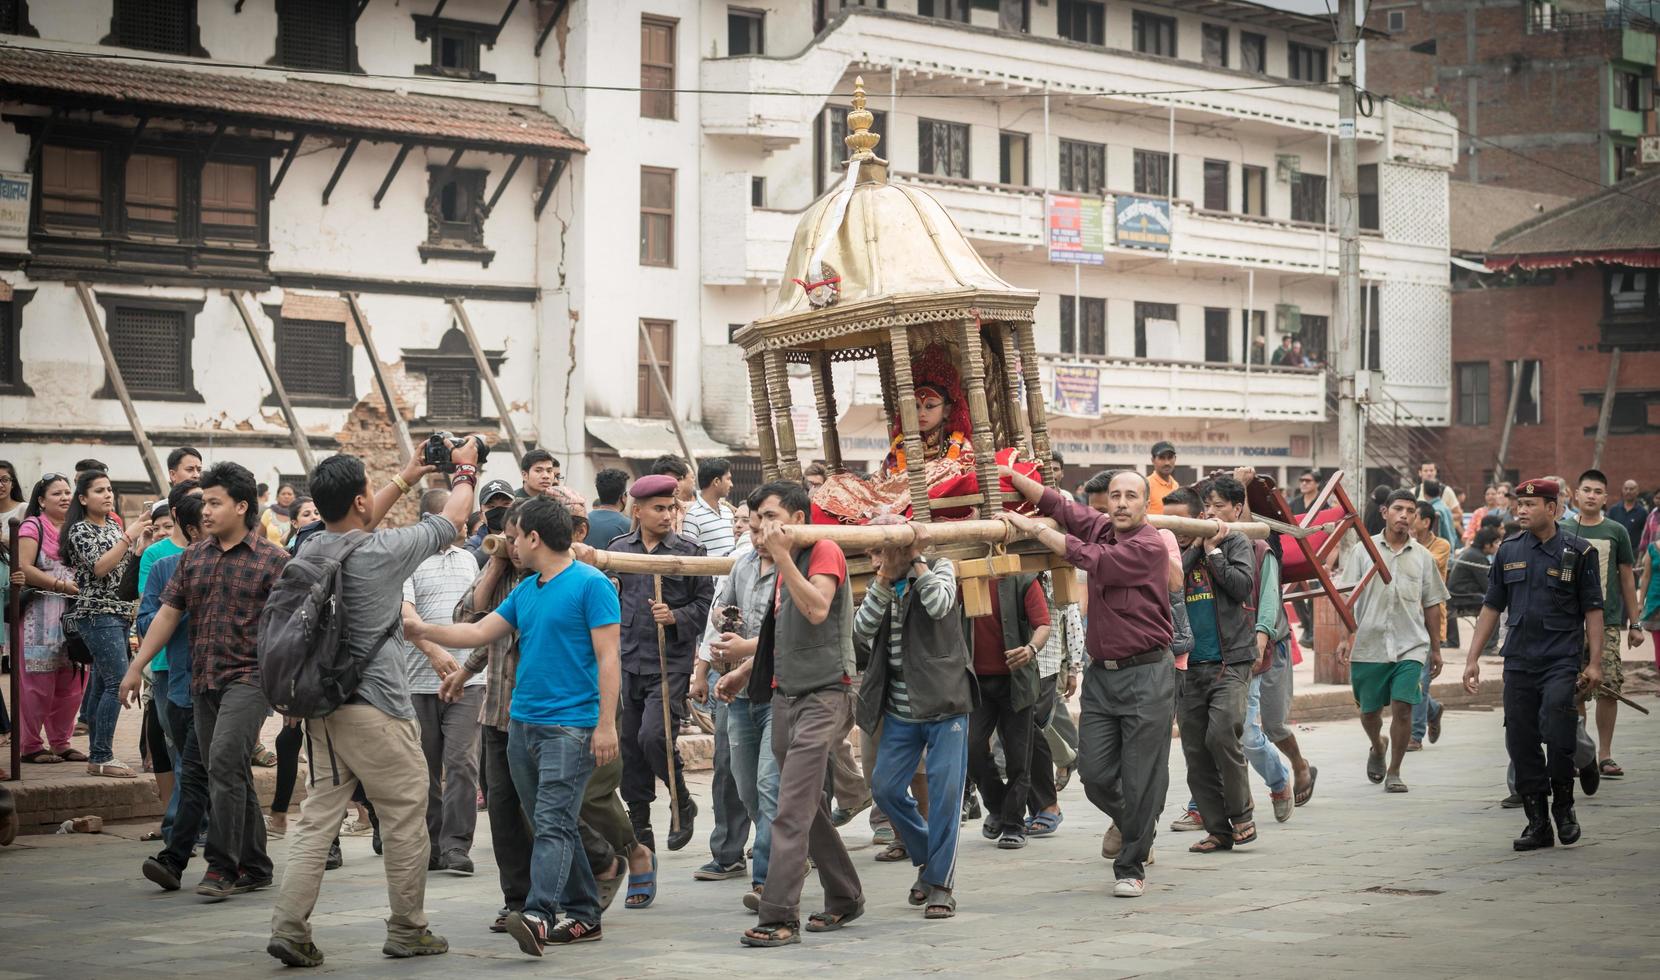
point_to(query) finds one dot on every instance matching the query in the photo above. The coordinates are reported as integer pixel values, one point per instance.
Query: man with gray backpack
(332, 652)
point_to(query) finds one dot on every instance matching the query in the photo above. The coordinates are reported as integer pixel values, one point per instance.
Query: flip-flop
(1375, 766)
(1210, 845)
(1239, 841)
(1609, 769)
(1308, 791)
(645, 884)
(1393, 783)
(831, 921)
(1043, 823)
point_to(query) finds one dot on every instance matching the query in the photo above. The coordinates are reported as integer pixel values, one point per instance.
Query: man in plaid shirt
(222, 583)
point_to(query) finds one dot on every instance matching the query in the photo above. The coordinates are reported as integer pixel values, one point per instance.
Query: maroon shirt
(1129, 579)
(224, 592)
(988, 630)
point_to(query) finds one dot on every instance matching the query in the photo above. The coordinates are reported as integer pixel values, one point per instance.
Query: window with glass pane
(830, 157)
(945, 9)
(1093, 338)
(1308, 64)
(1013, 159)
(1082, 20)
(656, 216)
(1474, 407)
(1215, 48)
(71, 187)
(315, 34)
(230, 200)
(1216, 185)
(1145, 312)
(649, 399)
(1628, 290)
(1369, 196)
(1314, 334)
(168, 26)
(1153, 34)
(1153, 173)
(1083, 167)
(1528, 410)
(1374, 329)
(1216, 335)
(1253, 53)
(313, 358)
(1254, 190)
(656, 68)
(1308, 198)
(745, 31)
(942, 148)
(152, 195)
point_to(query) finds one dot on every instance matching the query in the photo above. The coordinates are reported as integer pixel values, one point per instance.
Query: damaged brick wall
(368, 435)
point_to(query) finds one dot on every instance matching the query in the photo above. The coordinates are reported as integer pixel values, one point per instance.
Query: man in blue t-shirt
(563, 713)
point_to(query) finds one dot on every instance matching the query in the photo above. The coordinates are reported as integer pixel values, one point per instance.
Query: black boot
(1538, 832)
(1590, 778)
(1562, 810)
(639, 814)
(688, 812)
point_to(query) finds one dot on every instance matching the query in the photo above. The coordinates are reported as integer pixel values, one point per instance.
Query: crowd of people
(488, 663)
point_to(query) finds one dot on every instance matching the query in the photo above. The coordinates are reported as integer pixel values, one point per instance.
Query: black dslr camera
(436, 450)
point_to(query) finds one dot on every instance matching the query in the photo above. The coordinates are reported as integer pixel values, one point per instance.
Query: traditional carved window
(151, 341)
(320, 35)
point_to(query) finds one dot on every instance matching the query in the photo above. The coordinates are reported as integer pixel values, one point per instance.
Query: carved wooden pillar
(979, 412)
(1020, 430)
(1034, 405)
(824, 391)
(884, 368)
(763, 415)
(778, 387)
(904, 393)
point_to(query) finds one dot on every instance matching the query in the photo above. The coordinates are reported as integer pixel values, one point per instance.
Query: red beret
(1545, 488)
(659, 485)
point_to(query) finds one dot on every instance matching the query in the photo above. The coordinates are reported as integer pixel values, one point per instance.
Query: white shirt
(1389, 619)
(712, 528)
(437, 585)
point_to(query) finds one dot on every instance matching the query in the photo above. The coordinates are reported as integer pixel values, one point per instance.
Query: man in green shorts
(1397, 635)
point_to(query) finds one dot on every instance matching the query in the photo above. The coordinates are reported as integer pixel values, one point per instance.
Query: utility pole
(1351, 428)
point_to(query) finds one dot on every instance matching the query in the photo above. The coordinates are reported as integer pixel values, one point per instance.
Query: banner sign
(1077, 229)
(14, 204)
(1077, 391)
(1142, 222)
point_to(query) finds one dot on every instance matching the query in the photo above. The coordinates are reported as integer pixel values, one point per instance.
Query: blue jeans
(731, 833)
(105, 637)
(1421, 710)
(550, 765)
(1260, 752)
(932, 845)
(755, 770)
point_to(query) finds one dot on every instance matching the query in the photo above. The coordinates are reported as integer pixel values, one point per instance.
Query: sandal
(73, 755)
(767, 934)
(263, 757)
(1211, 844)
(1307, 792)
(1375, 764)
(1242, 836)
(1063, 776)
(608, 887)
(831, 921)
(643, 885)
(114, 769)
(1609, 769)
(894, 852)
(1043, 823)
(919, 892)
(43, 758)
(152, 835)
(941, 904)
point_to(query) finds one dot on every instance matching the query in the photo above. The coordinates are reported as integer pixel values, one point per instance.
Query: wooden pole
(489, 377)
(979, 414)
(668, 398)
(1509, 423)
(668, 717)
(398, 424)
(1019, 428)
(783, 420)
(152, 464)
(762, 405)
(910, 426)
(1606, 414)
(302, 445)
(1037, 415)
(14, 644)
(824, 391)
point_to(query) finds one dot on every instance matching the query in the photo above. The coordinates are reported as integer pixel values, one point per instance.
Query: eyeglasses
(52, 477)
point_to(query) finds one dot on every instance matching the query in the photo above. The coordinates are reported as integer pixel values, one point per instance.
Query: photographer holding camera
(373, 737)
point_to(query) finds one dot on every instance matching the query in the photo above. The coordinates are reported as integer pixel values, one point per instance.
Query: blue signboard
(1142, 222)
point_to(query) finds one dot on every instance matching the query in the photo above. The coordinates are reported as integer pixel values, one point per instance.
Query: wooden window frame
(1318, 67)
(1145, 168)
(351, 66)
(153, 228)
(659, 104)
(1246, 173)
(192, 44)
(1206, 32)
(190, 309)
(1093, 309)
(1006, 140)
(646, 394)
(926, 165)
(1210, 203)
(1536, 396)
(1211, 313)
(831, 121)
(11, 322)
(345, 394)
(1250, 40)
(1093, 13)
(1151, 311)
(453, 353)
(1301, 200)
(1479, 403)
(1066, 174)
(1148, 28)
(462, 240)
(474, 35)
(646, 258)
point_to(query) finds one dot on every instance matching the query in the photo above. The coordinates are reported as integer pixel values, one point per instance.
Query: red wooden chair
(1307, 541)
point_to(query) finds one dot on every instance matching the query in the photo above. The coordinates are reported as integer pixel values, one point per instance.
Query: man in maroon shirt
(1129, 691)
(1005, 663)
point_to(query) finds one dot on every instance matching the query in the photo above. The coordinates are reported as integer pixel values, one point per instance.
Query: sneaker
(1129, 888)
(883, 837)
(1189, 820)
(335, 858)
(426, 944)
(294, 953)
(716, 871)
(529, 931)
(216, 886)
(1284, 804)
(246, 882)
(353, 827)
(157, 871)
(570, 931)
(457, 861)
(1011, 841)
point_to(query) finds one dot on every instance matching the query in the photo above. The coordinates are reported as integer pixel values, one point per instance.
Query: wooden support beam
(362, 5)
(52, 119)
(398, 425)
(438, 11)
(501, 185)
(213, 144)
(668, 396)
(391, 174)
(152, 463)
(138, 131)
(444, 172)
(547, 185)
(502, 24)
(547, 28)
(1606, 414)
(302, 445)
(489, 377)
(340, 168)
(287, 161)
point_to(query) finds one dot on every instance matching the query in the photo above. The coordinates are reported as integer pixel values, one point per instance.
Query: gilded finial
(861, 141)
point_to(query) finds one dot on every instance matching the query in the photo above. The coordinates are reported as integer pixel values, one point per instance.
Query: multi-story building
(1544, 90)
(207, 198)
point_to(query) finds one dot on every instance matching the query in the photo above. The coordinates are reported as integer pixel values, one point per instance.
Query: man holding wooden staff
(1129, 690)
(651, 676)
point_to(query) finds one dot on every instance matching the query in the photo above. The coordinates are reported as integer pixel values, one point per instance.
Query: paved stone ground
(1357, 884)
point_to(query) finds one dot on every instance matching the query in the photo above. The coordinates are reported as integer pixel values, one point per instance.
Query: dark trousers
(192, 778)
(803, 731)
(1539, 707)
(1041, 771)
(510, 836)
(288, 767)
(1005, 800)
(1211, 714)
(227, 726)
(1124, 751)
(603, 824)
(645, 762)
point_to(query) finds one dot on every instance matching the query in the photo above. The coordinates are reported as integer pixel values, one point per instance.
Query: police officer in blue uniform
(1545, 583)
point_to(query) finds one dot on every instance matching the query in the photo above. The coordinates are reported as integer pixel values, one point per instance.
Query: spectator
(494, 499)
(11, 495)
(1162, 481)
(1490, 499)
(815, 475)
(277, 521)
(1445, 525)
(669, 464)
(710, 519)
(264, 496)
(1296, 358)
(1467, 579)
(305, 515)
(606, 521)
(52, 686)
(98, 550)
(1282, 353)
(1629, 511)
(540, 473)
(1429, 473)
(449, 729)
(374, 735)
(183, 463)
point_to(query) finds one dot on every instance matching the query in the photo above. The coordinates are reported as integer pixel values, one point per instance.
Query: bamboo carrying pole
(668, 718)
